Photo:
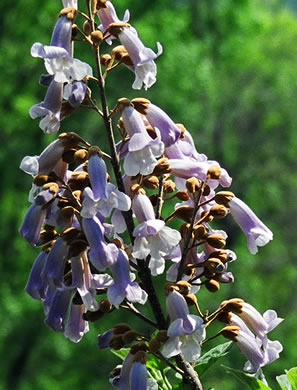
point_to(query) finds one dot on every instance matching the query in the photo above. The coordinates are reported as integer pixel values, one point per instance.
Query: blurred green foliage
(228, 73)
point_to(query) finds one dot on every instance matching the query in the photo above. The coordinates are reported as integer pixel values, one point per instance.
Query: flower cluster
(81, 220)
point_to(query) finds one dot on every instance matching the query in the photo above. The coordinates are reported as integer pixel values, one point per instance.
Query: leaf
(121, 353)
(250, 381)
(288, 381)
(284, 382)
(292, 376)
(210, 357)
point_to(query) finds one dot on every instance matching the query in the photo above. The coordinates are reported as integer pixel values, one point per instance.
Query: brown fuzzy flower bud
(212, 285)
(70, 234)
(47, 236)
(206, 191)
(40, 180)
(96, 37)
(52, 187)
(93, 316)
(79, 180)
(169, 287)
(162, 336)
(87, 27)
(151, 182)
(129, 336)
(70, 13)
(162, 167)
(117, 342)
(77, 247)
(74, 31)
(136, 189)
(184, 287)
(193, 185)
(67, 212)
(138, 347)
(184, 212)
(105, 60)
(169, 186)
(80, 156)
(182, 195)
(215, 265)
(224, 197)
(98, 4)
(216, 241)
(154, 345)
(141, 105)
(184, 229)
(140, 356)
(214, 172)
(218, 211)
(105, 306)
(121, 328)
(200, 232)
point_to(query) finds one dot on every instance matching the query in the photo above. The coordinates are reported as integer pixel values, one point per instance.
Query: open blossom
(186, 330)
(142, 149)
(257, 233)
(152, 237)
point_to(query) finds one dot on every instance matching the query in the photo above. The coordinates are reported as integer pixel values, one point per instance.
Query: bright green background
(228, 73)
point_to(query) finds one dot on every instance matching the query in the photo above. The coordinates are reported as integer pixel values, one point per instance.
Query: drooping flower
(142, 149)
(186, 330)
(256, 232)
(123, 286)
(152, 237)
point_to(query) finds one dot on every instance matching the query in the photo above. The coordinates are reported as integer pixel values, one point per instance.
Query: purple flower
(49, 109)
(76, 326)
(123, 287)
(257, 233)
(158, 119)
(101, 254)
(142, 149)
(33, 222)
(58, 308)
(185, 332)
(36, 285)
(109, 16)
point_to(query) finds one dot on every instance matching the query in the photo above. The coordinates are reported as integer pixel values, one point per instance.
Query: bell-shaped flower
(97, 174)
(138, 376)
(86, 283)
(58, 309)
(46, 161)
(115, 200)
(152, 237)
(101, 254)
(158, 119)
(55, 263)
(108, 16)
(76, 326)
(49, 109)
(36, 285)
(142, 149)
(32, 224)
(142, 58)
(256, 232)
(186, 330)
(75, 93)
(123, 286)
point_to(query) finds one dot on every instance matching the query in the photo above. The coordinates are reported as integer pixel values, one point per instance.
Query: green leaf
(210, 357)
(284, 382)
(121, 353)
(251, 382)
(292, 376)
(288, 381)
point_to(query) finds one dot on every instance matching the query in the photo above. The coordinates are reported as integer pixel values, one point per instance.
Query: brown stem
(190, 375)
